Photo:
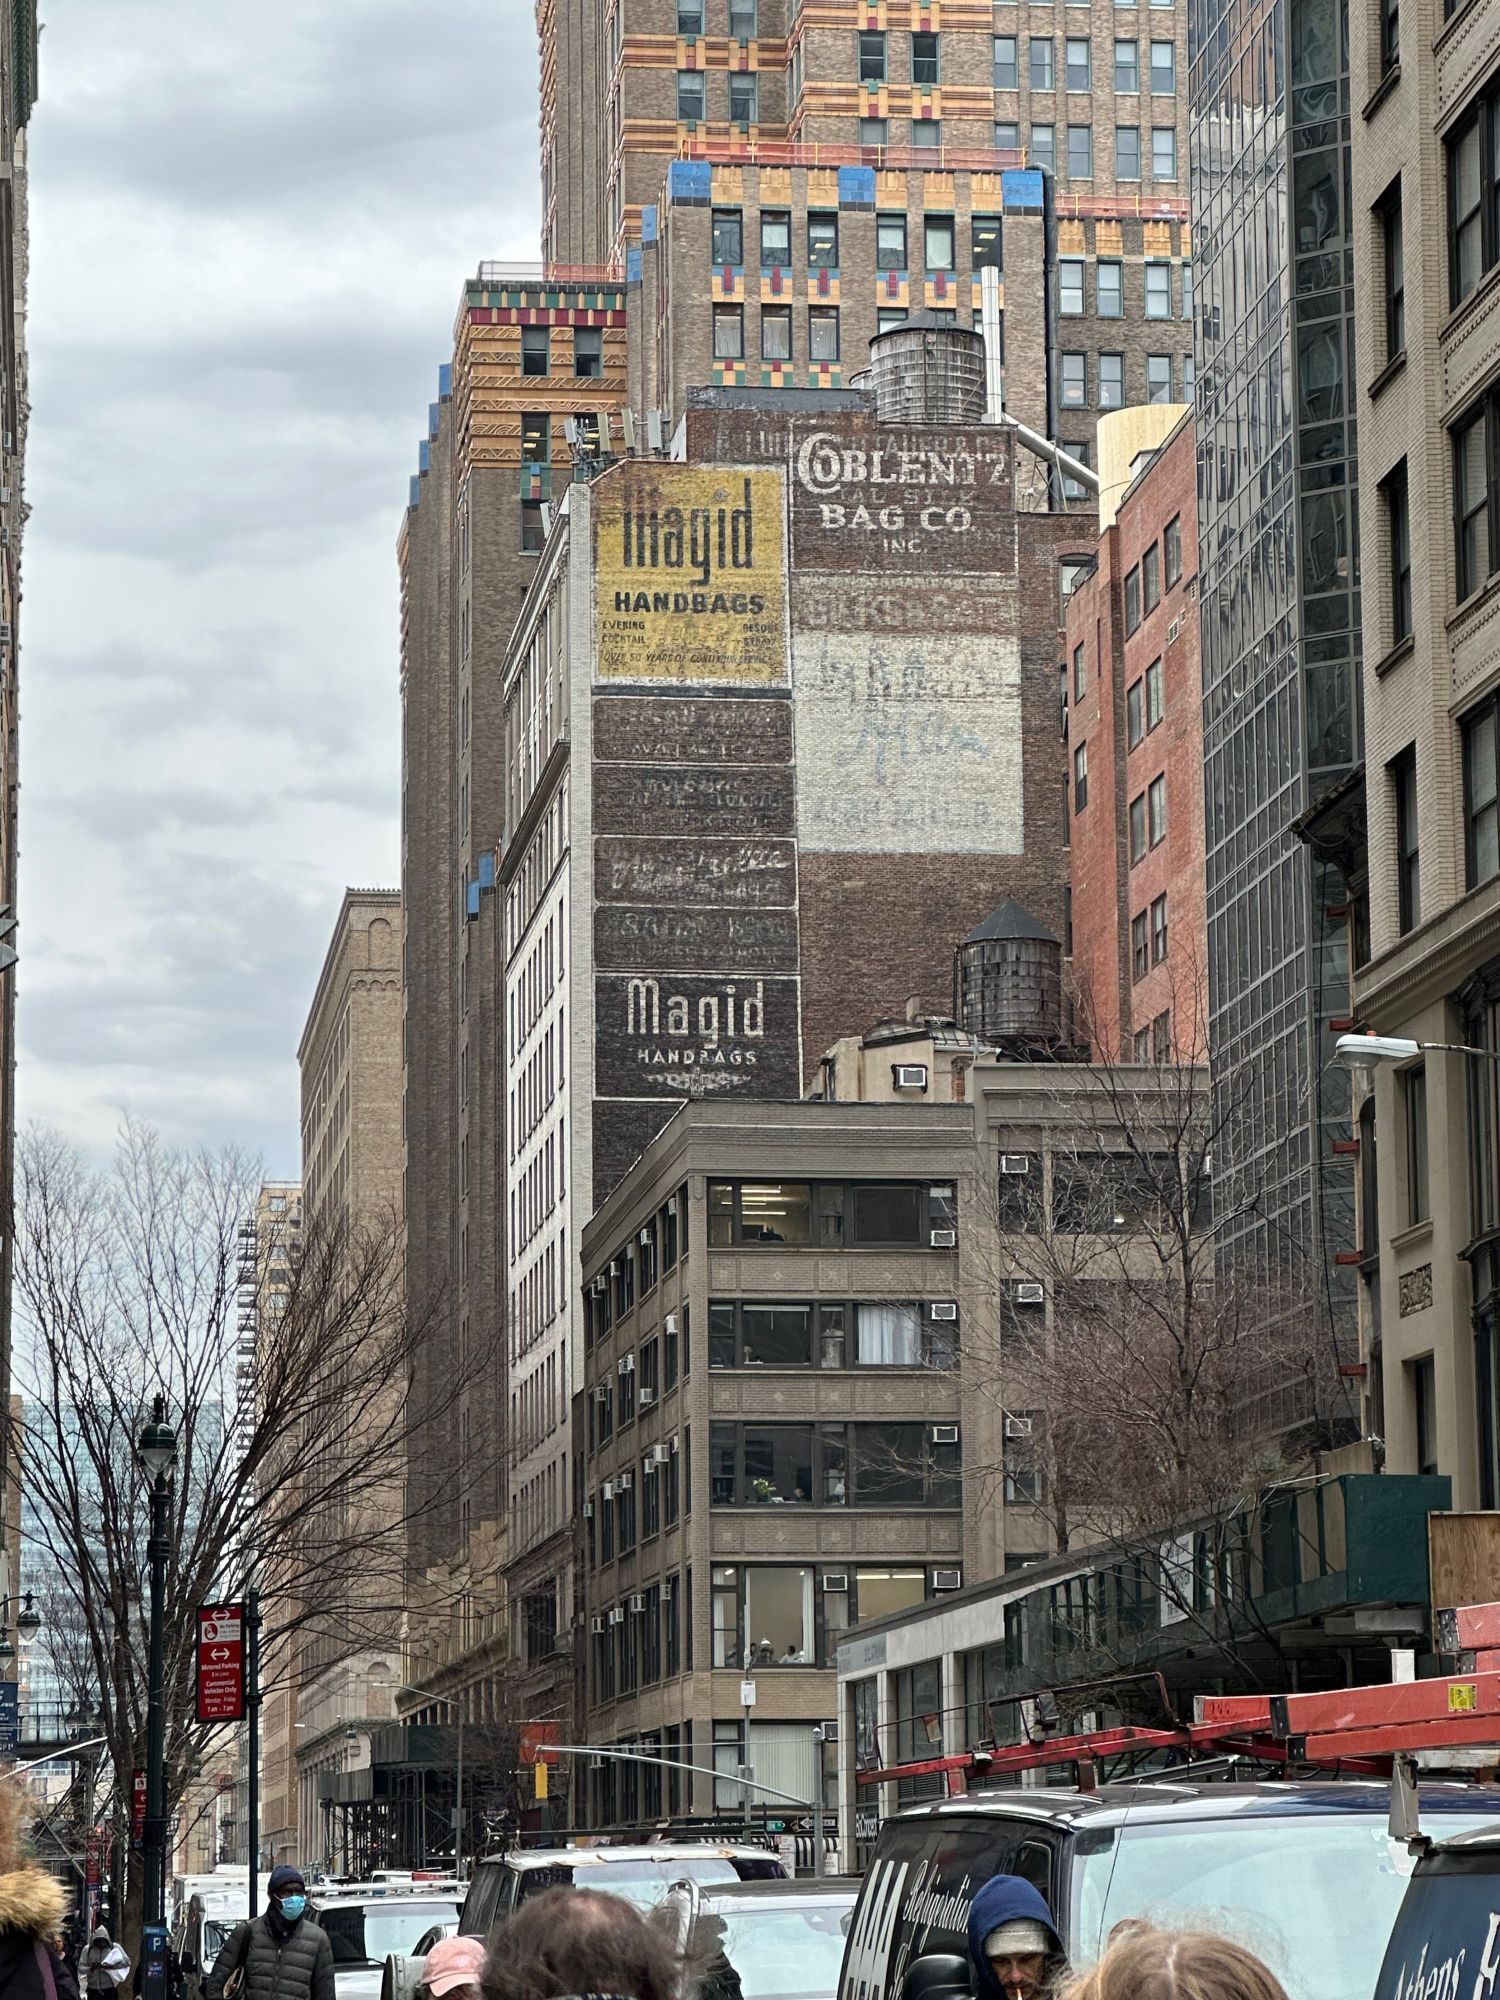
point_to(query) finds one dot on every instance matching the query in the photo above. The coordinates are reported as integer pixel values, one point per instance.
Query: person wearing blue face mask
(280, 1955)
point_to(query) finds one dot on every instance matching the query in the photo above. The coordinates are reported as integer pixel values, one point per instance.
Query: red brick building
(1134, 705)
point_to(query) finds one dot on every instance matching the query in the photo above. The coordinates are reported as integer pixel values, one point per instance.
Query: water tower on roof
(928, 371)
(1007, 984)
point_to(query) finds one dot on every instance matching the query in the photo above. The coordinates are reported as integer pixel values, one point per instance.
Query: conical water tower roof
(1008, 922)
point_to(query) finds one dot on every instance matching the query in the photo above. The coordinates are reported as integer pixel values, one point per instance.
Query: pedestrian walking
(452, 1969)
(1013, 1942)
(1144, 1963)
(279, 1955)
(103, 1967)
(32, 1910)
(570, 1944)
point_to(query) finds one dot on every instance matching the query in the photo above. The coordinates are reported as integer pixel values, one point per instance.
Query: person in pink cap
(452, 1968)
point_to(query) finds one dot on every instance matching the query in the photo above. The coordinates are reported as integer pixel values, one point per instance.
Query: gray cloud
(249, 231)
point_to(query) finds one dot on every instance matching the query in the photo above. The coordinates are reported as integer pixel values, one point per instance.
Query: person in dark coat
(32, 1910)
(1013, 1942)
(283, 1954)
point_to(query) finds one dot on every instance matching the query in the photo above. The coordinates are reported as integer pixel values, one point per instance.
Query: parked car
(762, 1940)
(1447, 1934)
(403, 1970)
(365, 1930)
(1305, 1873)
(643, 1875)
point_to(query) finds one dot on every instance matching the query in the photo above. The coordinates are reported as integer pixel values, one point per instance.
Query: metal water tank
(1007, 981)
(926, 371)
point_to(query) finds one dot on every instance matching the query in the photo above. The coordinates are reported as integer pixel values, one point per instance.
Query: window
(1158, 378)
(925, 66)
(1163, 69)
(536, 343)
(1140, 949)
(830, 1465)
(1127, 65)
(872, 57)
(533, 533)
(1074, 489)
(1159, 929)
(1403, 771)
(690, 96)
(1171, 542)
(1150, 579)
(1393, 494)
(1075, 383)
(1158, 291)
(823, 333)
(1080, 777)
(823, 239)
(985, 243)
(775, 239)
(1109, 288)
(889, 316)
(1007, 63)
(1474, 444)
(1070, 285)
(1390, 35)
(1080, 671)
(588, 353)
(744, 97)
(1395, 271)
(1473, 238)
(1414, 1090)
(937, 242)
(1076, 63)
(1111, 381)
(890, 242)
(1043, 148)
(729, 333)
(1127, 152)
(874, 134)
(690, 17)
(776, 333)
(536, 438)
(1041, 72)
(832, 1214)
(1007, 136)
(742, 22)
(1156, 809)
(1187, 288)
(1153, 695)
(1081, 151)
(728, 237)
(1424, 1412)
(757, 1335)
(1140, 1046)
(1132, 599)
(1135, 727)
(1480, 803)
(1164, 152)
(1138, 829)
(927, 135)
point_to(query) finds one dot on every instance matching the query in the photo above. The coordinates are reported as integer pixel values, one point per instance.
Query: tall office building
(1279, 597)
(1427, 251)
(18, 89)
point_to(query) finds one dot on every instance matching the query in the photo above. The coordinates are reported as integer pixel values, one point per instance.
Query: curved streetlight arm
(673, 1763)
(1363, 1050)
(54, 1756)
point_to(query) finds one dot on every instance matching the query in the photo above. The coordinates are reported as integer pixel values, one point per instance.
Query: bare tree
(290, 1460)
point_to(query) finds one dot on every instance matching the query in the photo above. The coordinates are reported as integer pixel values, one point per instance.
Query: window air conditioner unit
(658, 1455)
(1015, 1163)
(1031, 1294)
(669, 1324)
(1173, 629)
(943, 1239)
(601, 1392)
(596, 1623)
(646, 1397)
(944, 1434)
(909, 1076)
(646, 1237)
(607, 1490)
(600, 1284)
(627, 1364)
(624, 1481)
(1018, 1427)
(830, 1732)
(944, 1309)
(674, 1447)
(835, 1579)
(617, 1615)
(947, 1579)
(637, 1600)
(614, 1267)
(588, 1510)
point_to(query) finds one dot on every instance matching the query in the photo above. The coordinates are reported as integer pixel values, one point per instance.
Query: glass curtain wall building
(1279, 607)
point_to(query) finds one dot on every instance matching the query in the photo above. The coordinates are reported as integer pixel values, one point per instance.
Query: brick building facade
(1135, 738)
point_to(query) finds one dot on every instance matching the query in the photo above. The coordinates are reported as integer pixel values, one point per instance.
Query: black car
(1447, 1937)
(1307, 1874)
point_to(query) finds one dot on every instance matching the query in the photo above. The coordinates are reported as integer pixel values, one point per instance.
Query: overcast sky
(249, 227)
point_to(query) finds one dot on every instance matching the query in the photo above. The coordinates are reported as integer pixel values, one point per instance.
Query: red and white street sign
(221, 1662)
(138, 1805)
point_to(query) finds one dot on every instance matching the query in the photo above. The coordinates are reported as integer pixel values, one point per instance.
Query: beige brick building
(1427, 271)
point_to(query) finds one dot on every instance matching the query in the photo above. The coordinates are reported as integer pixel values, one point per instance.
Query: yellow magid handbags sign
(688, 576)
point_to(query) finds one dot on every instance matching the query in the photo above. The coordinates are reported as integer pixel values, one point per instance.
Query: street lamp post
(158, 1450)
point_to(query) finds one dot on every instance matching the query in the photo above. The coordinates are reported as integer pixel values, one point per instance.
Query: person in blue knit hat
(1013, 1941)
